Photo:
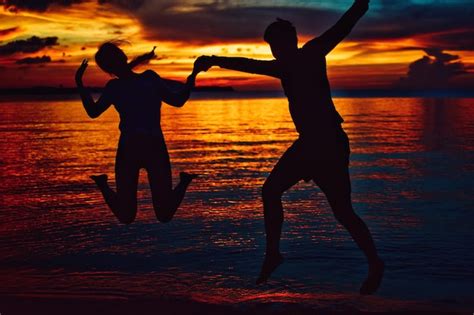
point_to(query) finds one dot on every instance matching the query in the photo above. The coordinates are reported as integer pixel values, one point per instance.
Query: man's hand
(364, 3)
(80, 72)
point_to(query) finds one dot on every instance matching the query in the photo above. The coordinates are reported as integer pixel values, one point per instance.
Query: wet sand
(71, 306)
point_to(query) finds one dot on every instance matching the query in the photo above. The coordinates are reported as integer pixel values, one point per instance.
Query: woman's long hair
(110, 56)
(142, 59)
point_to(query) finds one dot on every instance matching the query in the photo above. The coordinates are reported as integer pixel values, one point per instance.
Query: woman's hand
(80, 72)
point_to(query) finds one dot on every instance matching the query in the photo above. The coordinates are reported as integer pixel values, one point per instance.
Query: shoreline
(12, 305)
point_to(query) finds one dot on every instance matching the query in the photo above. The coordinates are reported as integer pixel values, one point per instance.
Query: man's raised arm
(326, 42)
(264, 67)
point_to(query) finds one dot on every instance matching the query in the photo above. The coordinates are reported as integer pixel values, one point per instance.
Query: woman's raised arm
(93, 109)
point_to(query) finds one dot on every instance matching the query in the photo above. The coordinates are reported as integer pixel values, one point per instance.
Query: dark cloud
(43, 5)
(8, 31)
(33, 60)
(436, 24)
(30, 45)
(213, 24)
(434, 70)
(126, 4)
(462, 39)
(449, 26)
(35, 5)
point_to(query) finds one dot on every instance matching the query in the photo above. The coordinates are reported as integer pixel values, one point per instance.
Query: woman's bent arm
(93, 109)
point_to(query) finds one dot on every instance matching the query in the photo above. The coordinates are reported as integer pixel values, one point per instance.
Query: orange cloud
(81, 27)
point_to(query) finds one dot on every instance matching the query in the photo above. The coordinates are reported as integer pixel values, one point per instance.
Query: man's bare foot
(100, 180)
(372, 283)
(187, 177)
(270, 263)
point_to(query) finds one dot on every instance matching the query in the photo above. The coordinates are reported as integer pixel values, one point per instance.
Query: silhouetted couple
(321, 153)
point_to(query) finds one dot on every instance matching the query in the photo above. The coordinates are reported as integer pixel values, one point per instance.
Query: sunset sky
(409, 43)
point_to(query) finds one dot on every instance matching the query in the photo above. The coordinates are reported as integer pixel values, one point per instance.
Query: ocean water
(412, 170)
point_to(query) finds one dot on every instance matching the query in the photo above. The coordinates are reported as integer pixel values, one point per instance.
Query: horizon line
(337, 92)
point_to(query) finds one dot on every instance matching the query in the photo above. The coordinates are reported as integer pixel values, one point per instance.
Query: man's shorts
(322, 158)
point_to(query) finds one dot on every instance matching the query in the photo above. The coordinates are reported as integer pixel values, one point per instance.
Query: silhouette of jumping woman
(137, 98)
(321, 153)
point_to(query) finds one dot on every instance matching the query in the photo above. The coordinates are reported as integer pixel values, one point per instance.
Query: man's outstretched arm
(264, 67)
(326, 42)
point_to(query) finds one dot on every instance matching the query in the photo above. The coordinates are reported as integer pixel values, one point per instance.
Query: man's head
(282, 38)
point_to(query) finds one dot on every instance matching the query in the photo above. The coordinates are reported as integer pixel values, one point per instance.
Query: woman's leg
(166, 200)
(123, 203)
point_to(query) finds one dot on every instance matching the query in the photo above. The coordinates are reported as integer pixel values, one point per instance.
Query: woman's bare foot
(372, 283)
(187, 177)
(270, 263)
(100, 180)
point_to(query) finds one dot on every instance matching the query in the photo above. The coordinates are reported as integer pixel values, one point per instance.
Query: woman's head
(111, 58)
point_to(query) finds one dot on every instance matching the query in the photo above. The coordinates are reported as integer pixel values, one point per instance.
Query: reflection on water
(412, 166)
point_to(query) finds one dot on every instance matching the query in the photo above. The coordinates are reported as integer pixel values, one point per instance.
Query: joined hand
(202, 63)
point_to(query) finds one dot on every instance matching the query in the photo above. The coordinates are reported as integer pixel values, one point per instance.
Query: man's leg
(286, 173)
(337, 188)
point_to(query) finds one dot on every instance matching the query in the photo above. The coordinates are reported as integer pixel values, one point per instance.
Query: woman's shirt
(138, 99)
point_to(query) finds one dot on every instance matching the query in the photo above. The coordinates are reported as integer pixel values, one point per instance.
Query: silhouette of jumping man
(321, 153)
(137, 98)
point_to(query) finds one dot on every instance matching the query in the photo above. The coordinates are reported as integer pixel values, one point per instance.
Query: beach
(62, 250)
